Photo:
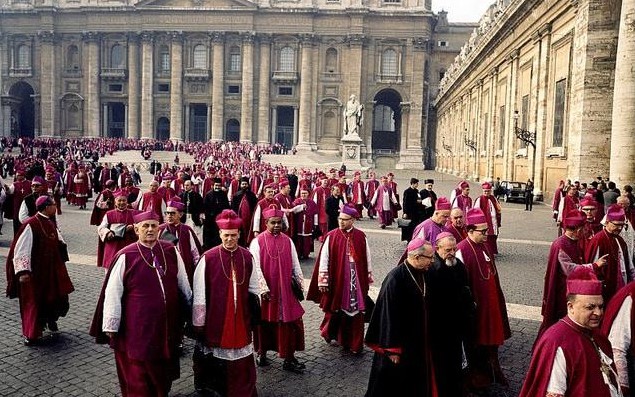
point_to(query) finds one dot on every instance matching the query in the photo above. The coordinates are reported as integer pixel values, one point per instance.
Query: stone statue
(353, 116)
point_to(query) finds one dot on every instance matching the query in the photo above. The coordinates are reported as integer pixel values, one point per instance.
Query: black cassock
(399, 321)
(213, 204)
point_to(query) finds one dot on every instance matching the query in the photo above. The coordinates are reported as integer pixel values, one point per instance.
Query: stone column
(92, 85)
(478, 115)
(218, 94)
(48, 84)
(247, 97)
(542, 110)
(208, 131)
(176, 88)
(3, 68)
(295, 123)
(591, 94)
(355, 66)
(411, 155)
(304, 119)
(512, 104)
(147, 86)
(186, 116)
(491, 128)
(104, 120)
(274, 122)
(5, 109)
(133, 86)
(125, 122)
(622, 165)
(263, 89)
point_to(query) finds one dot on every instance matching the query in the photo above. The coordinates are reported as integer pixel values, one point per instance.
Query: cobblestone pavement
(73, 365)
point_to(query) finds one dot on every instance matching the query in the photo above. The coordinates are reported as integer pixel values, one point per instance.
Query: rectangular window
(115, 87)
(234, 62)
(285, 91)
(163, 87)
(233, 89)
(501, 134)
(524, 117)
(442, 43)
(165, 62)
(558, 114)
(392, 1)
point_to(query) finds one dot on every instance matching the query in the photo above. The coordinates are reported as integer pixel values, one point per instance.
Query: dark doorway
(284, 126)
(163, 128)
(23, 119)
(198, 122)
(387, 122)
(232, 130)
(116, 120)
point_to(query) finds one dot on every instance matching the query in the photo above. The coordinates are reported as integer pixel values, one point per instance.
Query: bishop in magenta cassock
(141, 311)
(320, 194)
(281, 328)
(305, 216)
(462, 200)
(492, 324)
(619, 268)
(152, 201)
(435, 225)
(36, 273)
(565, 255)
(340, 282)
(221, 315)
(398, 330)
(572, 358)
(116, 230)
(492, 210)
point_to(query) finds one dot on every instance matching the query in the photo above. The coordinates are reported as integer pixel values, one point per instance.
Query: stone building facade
(266, 71)
(548, 71)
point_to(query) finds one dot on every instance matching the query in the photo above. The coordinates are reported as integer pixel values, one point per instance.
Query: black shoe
(297, 363)
(52, 326)
(29, 342)
(291, 366)
(262, 360)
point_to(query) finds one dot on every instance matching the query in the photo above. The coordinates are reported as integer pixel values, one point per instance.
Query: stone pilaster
(304, 119)
(411, 155)
(176, 88)
(133, 86)
(3, 70)
(354, 65)
(478, 133)
(147, 89)
(247, 97)
(263, 90)
(5, 117)
(622, 166)
(512, 104)
(591, 105)
(538, 159)
(218, 94)
(48, 77)
(493, 123)
(92, 84)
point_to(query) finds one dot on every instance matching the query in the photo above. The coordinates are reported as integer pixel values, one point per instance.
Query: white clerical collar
(43, 215)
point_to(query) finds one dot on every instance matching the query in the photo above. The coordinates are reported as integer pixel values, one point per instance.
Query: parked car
(514, 191)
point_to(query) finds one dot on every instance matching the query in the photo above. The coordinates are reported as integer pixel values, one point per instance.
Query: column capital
(513, 55)
(545, 29)
(147, 37)
(176, 36)
(248, 37)
(47, 36)
(91, 36)
(133, 37)
(406, 106)
(355, 39)
(493, 72)
(216, 37)
(421, 43)
(265, 38)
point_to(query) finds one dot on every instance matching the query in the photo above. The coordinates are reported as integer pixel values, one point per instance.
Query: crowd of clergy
(212, 251)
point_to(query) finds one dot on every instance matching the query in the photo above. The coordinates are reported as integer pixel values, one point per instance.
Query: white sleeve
(261, 284)
(193, 247)
(11, 188)
(112, 296)
(620, 338)
(22, 251)
(323, 270)
(558, 379)
(103, 229)
(459, 256)
(23, 215)
(181, 277)
(257, 214)
(368, 257)
(199, 300)
(295, 262)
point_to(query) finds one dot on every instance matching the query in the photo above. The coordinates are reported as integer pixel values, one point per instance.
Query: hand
(394, 358)
(601, 261)
(324, 290)
(404, 216)
(265, 296)
(110, 235)
(25, 278)
(111, 334)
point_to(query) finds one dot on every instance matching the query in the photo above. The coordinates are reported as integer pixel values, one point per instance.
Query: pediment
(207, 4)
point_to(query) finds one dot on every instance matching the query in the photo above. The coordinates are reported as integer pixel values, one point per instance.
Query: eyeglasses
(344, 219)
(425, 256)
(482, 231)
(620, 225)
(169, 212)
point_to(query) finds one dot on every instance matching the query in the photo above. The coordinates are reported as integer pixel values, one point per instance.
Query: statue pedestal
(351, 151)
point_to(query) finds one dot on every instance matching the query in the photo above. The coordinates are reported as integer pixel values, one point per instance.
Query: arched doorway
(23, 114)
(232, 130)
(387, 122)
(163, 129)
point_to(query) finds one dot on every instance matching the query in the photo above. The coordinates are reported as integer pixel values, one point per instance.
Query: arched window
(74, 117)
(331, 60)
(389, 62)
(232, 130)
(287, 59)
(164, 59)
(116, 57)
(199, 58)
(330, 124)
(72, 57)
(24, 56)
(234, 59)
